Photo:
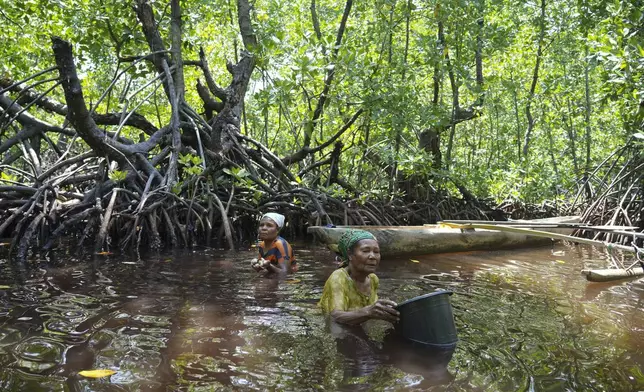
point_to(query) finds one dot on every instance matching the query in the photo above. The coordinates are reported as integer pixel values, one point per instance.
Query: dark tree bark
(431, 136)
(328, 80)
(535, 78)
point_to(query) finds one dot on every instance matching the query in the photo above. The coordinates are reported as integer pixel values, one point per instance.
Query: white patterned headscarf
(275, 217)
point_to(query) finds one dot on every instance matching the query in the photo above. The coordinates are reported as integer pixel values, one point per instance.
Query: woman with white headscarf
(275, 253)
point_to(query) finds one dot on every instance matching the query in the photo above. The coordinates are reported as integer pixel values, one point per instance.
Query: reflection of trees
(210, 323)
(543, 341)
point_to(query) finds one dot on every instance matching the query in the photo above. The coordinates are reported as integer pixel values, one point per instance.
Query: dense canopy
(144, 121)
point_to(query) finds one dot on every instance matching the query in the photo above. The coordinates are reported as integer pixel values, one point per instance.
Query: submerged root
(119, 218)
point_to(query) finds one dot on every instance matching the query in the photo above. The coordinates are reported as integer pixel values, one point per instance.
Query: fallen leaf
(414, 261)
(4, 287)
(293, 281)
(560, 261)
(104, 253)
(97, 373)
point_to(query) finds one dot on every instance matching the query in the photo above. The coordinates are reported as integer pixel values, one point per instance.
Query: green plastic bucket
(428, 320)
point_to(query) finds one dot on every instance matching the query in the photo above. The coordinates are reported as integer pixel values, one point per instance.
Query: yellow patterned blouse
(340, 293)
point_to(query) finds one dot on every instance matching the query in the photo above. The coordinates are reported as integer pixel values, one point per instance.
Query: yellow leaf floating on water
(97, 373)
(414, 261)
(4, 287)
(560, 261)
(293, 281)
(104, 253)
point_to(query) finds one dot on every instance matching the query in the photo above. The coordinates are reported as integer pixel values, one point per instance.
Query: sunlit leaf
(97, 373)
(414, 261)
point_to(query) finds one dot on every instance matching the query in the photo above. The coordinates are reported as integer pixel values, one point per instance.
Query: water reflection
(201, 321)
(364, 357)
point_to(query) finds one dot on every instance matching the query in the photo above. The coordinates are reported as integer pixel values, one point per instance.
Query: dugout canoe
(430, 239)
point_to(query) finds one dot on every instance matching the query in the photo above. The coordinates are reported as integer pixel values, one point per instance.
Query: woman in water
(350, 294)
(275, 253)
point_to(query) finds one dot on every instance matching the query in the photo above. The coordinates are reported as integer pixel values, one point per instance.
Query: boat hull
(431, 239)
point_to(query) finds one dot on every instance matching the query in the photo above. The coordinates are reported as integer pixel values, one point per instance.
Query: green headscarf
(348, 239)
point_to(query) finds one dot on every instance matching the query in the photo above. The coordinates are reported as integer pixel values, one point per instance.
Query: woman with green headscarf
(350, 294)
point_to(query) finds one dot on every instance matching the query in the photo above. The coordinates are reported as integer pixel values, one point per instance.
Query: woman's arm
(278, 269)
(283, 258)
(351, 317)
(383, 309)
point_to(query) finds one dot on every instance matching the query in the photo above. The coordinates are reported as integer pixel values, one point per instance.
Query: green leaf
(97, 373)
(117, 175)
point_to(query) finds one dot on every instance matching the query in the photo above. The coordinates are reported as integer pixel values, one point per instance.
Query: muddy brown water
(202, 321)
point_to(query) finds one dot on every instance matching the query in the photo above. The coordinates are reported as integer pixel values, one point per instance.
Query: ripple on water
(37, 354)
(18, 380)
(203, 321)
(9, 336)
(61, 326)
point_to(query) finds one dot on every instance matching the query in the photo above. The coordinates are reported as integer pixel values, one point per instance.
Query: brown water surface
(202, 321)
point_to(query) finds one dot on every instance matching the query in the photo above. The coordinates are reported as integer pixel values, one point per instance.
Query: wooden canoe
(429, 239)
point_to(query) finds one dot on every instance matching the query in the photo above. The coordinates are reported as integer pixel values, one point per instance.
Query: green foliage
(588, 96)
(117, 175)
(192, 164)
(7, 178)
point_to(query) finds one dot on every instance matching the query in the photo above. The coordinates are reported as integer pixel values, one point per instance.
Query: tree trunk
(535, 78)
(588, 110)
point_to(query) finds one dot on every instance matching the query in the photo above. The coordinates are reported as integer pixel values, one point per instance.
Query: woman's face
(365, 256)
(267, 229)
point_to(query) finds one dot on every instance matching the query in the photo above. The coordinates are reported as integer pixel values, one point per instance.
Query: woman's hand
(383, 309)
(259, 265)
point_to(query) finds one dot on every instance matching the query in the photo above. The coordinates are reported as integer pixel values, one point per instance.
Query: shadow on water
(364, 356)
(202, 321)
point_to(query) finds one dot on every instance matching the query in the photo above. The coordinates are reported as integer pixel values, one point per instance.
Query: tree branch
(317, 113)
(210, 105)
(27, 120)
(316, 26)
(210, 81)
(83, 122)
(245, 26)
(78, 114)
(175, 32)
(304, 151)
(146, 17)
(135, 120)
(535, 78)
